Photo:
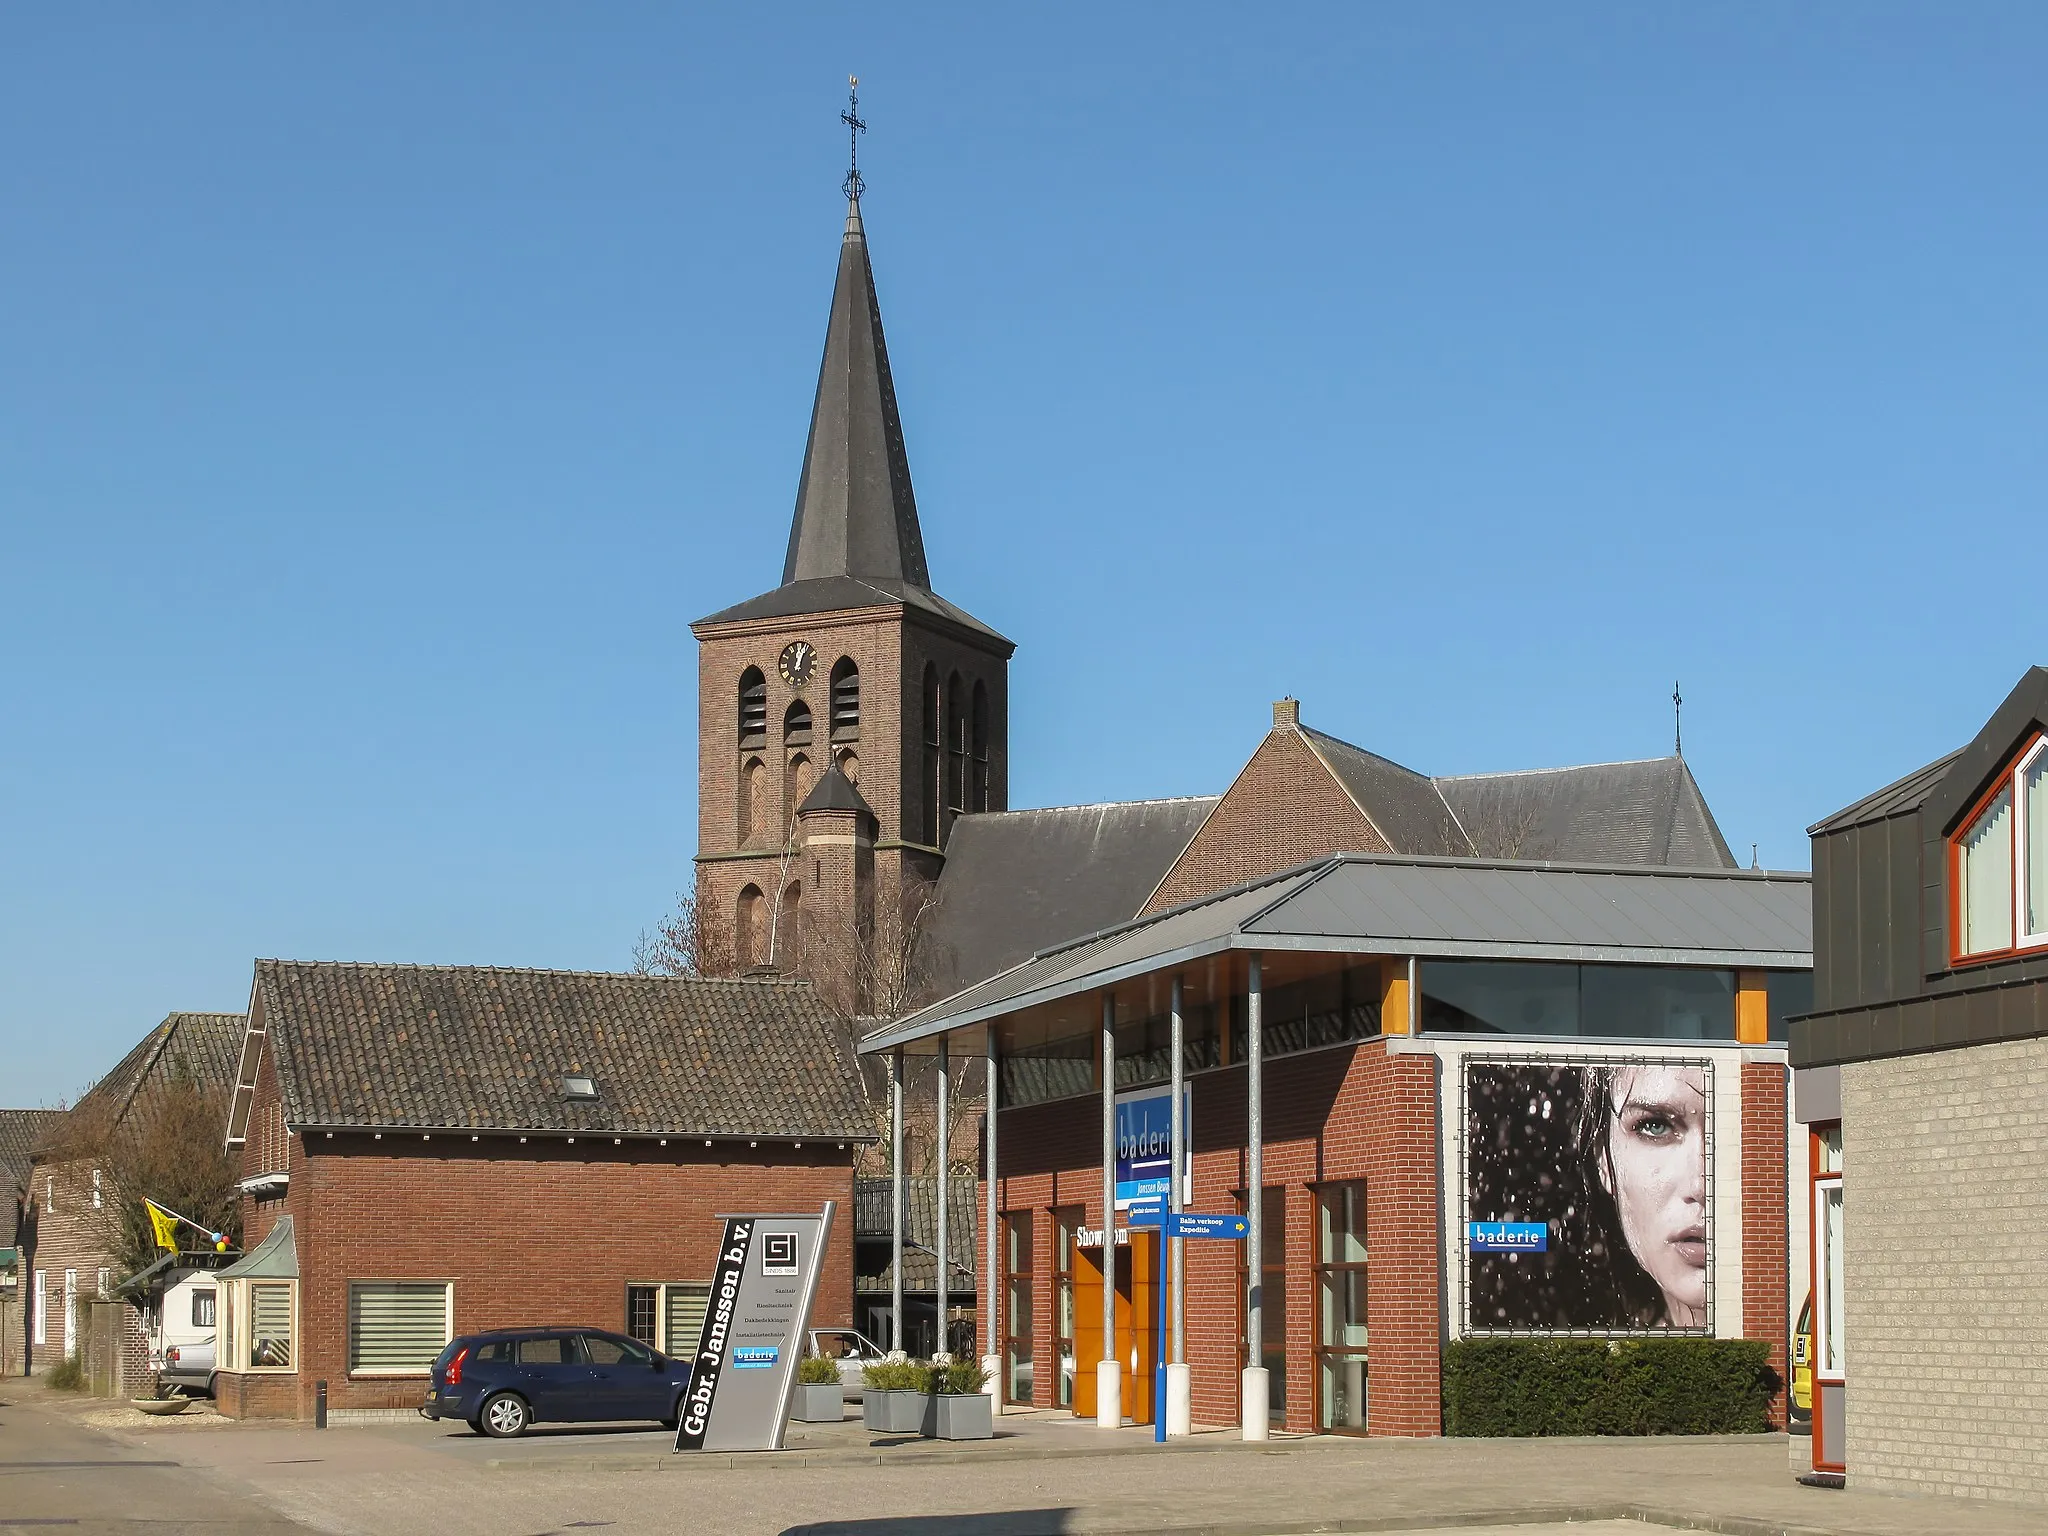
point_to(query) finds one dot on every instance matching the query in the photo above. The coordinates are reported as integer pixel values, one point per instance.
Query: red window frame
(2008, 778)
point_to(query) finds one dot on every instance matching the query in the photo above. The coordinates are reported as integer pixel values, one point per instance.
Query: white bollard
(1257, 1404)
(991, 1365)
(1180, 1414)
(1109, 1395)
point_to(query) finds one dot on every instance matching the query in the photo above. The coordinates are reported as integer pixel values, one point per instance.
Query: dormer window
(1999, 868)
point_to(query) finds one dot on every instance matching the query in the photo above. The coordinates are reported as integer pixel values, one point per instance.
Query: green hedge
(1592, 1387)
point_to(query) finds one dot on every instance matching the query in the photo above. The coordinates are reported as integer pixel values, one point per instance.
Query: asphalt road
(58, 1475)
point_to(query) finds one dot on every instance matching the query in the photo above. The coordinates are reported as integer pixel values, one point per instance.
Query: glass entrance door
(1340, 1308)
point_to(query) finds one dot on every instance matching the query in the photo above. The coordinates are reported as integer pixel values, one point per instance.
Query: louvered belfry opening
(796, 725)
(753, 709)
(846, 701)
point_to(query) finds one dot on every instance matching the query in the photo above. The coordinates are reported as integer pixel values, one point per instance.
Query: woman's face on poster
(1657, 1173)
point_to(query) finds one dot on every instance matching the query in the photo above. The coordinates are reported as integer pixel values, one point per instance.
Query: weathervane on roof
(853, 185)
(1677, 724)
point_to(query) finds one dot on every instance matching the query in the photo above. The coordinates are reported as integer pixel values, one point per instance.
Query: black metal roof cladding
(485, 1048)
(1896, 798)
(834, 791)
(854, 540)
(1479, 908)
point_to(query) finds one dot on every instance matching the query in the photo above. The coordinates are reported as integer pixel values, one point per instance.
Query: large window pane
(1987, 878)
(1341, 1238)
(2034, 787)
(1343, 1392)
(396, 1325)
(1018, 1375)
(1787, 994)
(270, 1324)
(685, 1305)
(1343, 1308)
(1500, 997)
(1833, 1355)
(1646, 1002)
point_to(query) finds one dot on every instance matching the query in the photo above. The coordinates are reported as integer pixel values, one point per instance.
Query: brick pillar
(1404, 1393)
(1765, 1282)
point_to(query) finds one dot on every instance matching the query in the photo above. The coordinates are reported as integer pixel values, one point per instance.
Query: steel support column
(992, 1345)
(1109, 1409)
(1257, 1390)
(896, 1198)
(945, 1190)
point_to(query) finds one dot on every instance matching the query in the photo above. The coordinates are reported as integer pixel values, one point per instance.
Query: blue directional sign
(1508, 1236)
(1190, 1224)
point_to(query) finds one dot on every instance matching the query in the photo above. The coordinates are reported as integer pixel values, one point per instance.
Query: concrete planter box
(816, 1404)
(894, 1413)
(970, 1417)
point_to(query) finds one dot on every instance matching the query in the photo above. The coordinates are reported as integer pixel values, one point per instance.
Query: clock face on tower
(799, 660)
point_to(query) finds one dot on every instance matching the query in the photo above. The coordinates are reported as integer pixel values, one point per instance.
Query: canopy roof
(1361, 904)
(275, 1258)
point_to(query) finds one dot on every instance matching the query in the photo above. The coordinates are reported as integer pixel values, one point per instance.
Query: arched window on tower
(956, 749)
(754, 807)
(789, 943)
(796, 724)
(979, 746)
(929, 796)
(753, 709)
(849, 764)
(796, 788)
(747, 936)
(846, 700)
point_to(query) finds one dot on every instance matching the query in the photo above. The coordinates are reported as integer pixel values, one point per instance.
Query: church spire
(855, 512)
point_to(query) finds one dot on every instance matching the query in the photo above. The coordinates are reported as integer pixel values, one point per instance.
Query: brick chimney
(1287, 714)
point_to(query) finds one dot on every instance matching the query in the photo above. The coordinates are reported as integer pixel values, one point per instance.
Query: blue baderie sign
(1144, 1145)
(1509, 1236)
(754, 1358)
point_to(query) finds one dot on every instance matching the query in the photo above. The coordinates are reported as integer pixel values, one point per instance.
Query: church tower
(846, 717)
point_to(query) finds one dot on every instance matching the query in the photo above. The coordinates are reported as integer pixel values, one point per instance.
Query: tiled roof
(1016, 882)
(1648, 812)
(485, 1048)
(921, 1211)
(203, 1046)
(21, 1130)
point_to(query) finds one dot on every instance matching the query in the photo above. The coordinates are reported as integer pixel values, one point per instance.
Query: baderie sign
(1509, 1236)
(755, 1320)
(1144, 1146)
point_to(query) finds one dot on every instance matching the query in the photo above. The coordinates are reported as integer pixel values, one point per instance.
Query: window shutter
(270, 1323)
(686, 1306)
(396, 1325)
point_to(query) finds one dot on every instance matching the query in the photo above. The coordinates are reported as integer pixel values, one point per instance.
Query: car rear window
(550, 1351)
(498, 1351)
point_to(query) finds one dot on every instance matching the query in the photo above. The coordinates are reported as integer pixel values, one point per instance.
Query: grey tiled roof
(21, 1130)
(1649, 812)
(484, 1048)
(921, 1211)
(1016, 882)
(1403, 804)
(831, 594)
(203, 1046)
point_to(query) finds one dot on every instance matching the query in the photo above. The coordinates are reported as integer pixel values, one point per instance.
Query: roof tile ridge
(524, 970)
(1352, 746)
(1310, 736)
(1524, 773)
(1087, 805)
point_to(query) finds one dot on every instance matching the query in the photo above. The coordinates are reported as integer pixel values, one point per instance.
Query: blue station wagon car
(499, 1383)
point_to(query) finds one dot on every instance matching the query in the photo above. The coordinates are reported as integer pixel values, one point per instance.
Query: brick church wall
(1283, 809)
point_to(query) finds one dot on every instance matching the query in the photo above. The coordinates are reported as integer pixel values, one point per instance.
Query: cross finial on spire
(1677, 722)
(853, 186)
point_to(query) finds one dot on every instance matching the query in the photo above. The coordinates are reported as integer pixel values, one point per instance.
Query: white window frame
(39, 1323)
(99, 1199)
(2021, 939)
(348, 1327)
(235, 1325)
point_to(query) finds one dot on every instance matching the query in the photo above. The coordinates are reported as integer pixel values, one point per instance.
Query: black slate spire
(855, 512)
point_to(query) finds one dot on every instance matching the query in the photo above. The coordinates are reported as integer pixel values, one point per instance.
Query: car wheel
(505, 1416)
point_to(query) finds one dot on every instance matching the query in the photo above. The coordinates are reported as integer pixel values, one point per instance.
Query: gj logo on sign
(778, 1253)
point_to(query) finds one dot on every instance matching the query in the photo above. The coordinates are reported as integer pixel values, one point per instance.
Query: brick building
(73, 1260)
(433, 1150)
(20, 1131)
(1922, 1080)
(1437, 1040)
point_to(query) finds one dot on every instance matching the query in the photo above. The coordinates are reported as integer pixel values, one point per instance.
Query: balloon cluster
(220, 1241)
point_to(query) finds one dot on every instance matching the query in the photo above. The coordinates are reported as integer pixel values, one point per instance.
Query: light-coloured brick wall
(1945, 1198)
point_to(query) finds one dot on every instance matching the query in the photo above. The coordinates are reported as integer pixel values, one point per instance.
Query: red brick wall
(1765, 1282)
(1284, 809)
(68, 1236)
(540, 1232)
(1330, 1116)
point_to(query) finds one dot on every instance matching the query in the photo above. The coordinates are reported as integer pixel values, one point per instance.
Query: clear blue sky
(383, 389)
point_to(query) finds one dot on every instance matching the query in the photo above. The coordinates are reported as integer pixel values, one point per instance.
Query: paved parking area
(1049, 1476)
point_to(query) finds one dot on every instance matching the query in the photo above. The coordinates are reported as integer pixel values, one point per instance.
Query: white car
(853, 1351)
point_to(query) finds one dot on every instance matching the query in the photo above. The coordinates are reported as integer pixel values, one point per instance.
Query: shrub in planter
(820, 1395)
(894, 1396)
(960, 1409)
(1594, 1387)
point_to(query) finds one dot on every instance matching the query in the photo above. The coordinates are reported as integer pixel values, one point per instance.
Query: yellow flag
(165, 1223)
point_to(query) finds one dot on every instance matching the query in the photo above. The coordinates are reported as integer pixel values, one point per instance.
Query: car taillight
(172, 1356)
(453, 1376)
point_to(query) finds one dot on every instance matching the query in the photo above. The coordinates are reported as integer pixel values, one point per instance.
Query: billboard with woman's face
(1586, 1199)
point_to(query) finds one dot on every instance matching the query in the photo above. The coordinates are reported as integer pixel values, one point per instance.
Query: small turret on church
(853, 664)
